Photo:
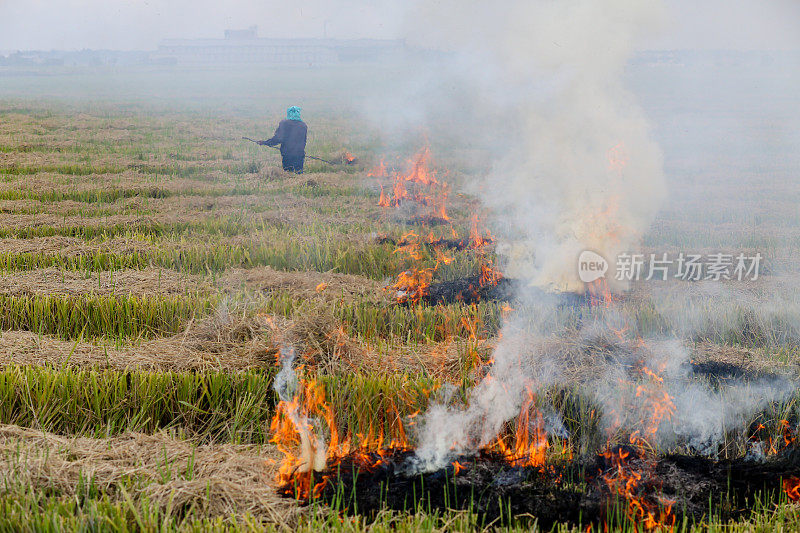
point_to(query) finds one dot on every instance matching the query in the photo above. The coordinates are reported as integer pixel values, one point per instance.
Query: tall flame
(302, 418)
(529, 444)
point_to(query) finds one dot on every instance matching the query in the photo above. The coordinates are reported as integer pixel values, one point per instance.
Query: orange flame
(413, 284)
(529, 444)
(384, 200)
(599, 293)
(427, 189)
(624, 478)
(775, 445)
(291, 428)
(489, 276)
(379, 171)
(791, 486)
(297, 431)
(475, 238)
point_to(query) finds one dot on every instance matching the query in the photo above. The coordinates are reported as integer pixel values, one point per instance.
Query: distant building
(249, 33)
(76, 58)
(725, 59)
(245, 47)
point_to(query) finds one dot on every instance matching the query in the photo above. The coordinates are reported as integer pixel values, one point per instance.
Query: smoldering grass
(223, 407)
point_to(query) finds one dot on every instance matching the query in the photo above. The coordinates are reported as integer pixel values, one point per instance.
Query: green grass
(110, 195)
(87, 316)
(68, 169)
(279, 250)
(420, 324)
(208, 406)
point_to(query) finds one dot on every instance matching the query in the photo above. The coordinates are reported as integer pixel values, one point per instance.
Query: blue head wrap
(293, 113)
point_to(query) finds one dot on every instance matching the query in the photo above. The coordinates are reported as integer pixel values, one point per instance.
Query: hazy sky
(128, 24)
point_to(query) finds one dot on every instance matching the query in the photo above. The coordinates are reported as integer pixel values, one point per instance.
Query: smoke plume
(574, 168)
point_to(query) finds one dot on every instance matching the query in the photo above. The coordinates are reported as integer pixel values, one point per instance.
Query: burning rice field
(205, 357)
(399, 338)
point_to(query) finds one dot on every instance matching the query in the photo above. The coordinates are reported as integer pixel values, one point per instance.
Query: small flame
(623, 479)
(779, 443)
(599, 293)
(379, 171)
(489, 275)
(413, 285)
(791, 486)
(627, 468)
(476, 240)
(384, 200)
(427, 189)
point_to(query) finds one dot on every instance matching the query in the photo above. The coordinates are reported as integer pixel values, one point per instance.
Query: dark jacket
(291, 135)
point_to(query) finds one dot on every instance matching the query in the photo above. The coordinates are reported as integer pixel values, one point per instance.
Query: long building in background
(246, 47)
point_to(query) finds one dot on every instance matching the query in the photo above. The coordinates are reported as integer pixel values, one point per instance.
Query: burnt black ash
(572, 493)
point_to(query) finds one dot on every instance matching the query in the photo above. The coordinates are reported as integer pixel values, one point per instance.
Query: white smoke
(575, 169)
(701, 412)
(450, 431)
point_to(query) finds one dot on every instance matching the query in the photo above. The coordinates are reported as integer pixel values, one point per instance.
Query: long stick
(308, 156)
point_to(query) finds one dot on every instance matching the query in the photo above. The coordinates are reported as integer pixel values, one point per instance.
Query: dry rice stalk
(55, 282)
(317, 286)
(215, 480)
(230, 342)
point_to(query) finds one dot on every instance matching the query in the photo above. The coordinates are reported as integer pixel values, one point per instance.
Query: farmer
(291, 135)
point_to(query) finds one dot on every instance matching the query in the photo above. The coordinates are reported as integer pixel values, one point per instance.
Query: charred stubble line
(572, 494)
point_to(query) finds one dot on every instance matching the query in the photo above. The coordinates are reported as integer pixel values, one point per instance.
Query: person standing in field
(291, 135)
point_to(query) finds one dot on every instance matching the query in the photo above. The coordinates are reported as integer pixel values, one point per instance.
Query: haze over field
(132, 24)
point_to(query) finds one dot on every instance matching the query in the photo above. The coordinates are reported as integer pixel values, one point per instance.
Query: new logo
(591, 266)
